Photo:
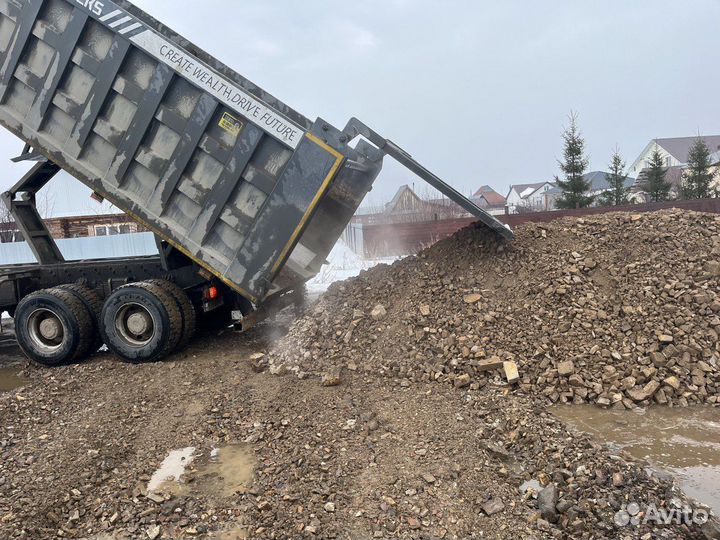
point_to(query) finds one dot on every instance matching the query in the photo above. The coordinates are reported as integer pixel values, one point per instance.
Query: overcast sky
(477, 91)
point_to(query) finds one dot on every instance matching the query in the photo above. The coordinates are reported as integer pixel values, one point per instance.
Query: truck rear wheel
(93, 302)
(53, 327)
(187, 310)
(141, 322)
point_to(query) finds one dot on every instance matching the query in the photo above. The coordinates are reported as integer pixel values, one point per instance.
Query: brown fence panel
(387, 240)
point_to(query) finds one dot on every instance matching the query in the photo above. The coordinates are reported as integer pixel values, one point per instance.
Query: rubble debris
(591, 313)
(511, 372)
(424, 438)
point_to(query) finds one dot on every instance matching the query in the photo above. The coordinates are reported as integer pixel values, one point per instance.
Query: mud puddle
(682, 441)
(171, 469)
(224, 473)
(10, 378)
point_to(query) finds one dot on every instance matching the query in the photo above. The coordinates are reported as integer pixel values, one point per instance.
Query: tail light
(212, 293)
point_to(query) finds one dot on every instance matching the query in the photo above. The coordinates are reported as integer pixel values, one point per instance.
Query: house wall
(84, 226)
(513, 198)
(78, 227)
(539, 200)
(536, 201)
(643, 160)
(716, 181)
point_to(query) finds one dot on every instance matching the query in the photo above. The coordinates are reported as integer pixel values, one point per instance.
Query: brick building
(77, 227)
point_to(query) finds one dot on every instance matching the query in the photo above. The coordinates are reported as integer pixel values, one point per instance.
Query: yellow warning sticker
(230, 124)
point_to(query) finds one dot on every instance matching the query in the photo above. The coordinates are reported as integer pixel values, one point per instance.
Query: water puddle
(225, 472)
(229, 471)
(10, 378)
(681, 441)
(171, 469)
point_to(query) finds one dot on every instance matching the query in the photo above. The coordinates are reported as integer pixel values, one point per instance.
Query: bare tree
(45, 203)
(7, 225)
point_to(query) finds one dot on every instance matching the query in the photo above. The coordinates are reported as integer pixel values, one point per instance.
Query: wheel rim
(46, 330)
(135, 325)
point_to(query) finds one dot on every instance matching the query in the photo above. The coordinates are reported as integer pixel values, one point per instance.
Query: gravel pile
(619, 310)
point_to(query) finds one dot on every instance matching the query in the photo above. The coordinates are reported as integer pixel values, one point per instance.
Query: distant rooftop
(529, 189)
(599, 180)
(679, 147)
(492, 197)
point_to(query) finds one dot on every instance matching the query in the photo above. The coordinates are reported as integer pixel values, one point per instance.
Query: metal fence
(386, 240)
(82, 249)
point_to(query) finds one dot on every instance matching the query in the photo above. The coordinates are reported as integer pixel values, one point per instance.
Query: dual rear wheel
(140, 322)
(53, 326)
(146, 321)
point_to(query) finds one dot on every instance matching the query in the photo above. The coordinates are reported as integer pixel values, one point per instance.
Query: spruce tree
(617, 194)
(574, 187)
(653, 178)
(698, 177)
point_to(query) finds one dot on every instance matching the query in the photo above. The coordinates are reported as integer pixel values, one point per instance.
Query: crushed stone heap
(618, 309)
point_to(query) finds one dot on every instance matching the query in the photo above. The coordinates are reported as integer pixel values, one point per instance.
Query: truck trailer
(245, 195)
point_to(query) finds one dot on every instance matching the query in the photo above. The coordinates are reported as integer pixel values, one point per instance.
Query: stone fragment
(511, 372)
(429, 478)
(413, 523)
(378, 313)
(637, 394)
(332, 377)
(650, 388)
(493, 506)
(618, 480)
(566, 368)
(547, 500)
(490, 364)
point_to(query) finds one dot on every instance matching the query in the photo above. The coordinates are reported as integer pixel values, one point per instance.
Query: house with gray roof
(598, 185)
(528, 197)
(599, 182)
(674, 150)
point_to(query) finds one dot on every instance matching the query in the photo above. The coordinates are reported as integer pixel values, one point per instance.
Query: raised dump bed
(246, 188)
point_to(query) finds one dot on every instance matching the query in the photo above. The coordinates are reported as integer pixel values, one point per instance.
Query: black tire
(57, 312)
(187, 310)
(93, 302)
(148, 310)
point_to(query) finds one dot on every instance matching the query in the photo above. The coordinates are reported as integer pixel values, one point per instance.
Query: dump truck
(246, 196)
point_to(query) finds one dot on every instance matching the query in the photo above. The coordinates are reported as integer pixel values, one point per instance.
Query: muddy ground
(368, 458)
(388, 411)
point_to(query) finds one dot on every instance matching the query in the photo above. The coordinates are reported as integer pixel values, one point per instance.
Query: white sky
(478, 91)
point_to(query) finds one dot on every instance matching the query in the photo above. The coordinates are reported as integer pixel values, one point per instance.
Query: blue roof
(598, 182)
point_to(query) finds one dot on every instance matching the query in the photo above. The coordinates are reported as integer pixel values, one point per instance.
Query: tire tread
(82, 315)
(78, 311)
(173, 312)
(187, 310)
(93, 302)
